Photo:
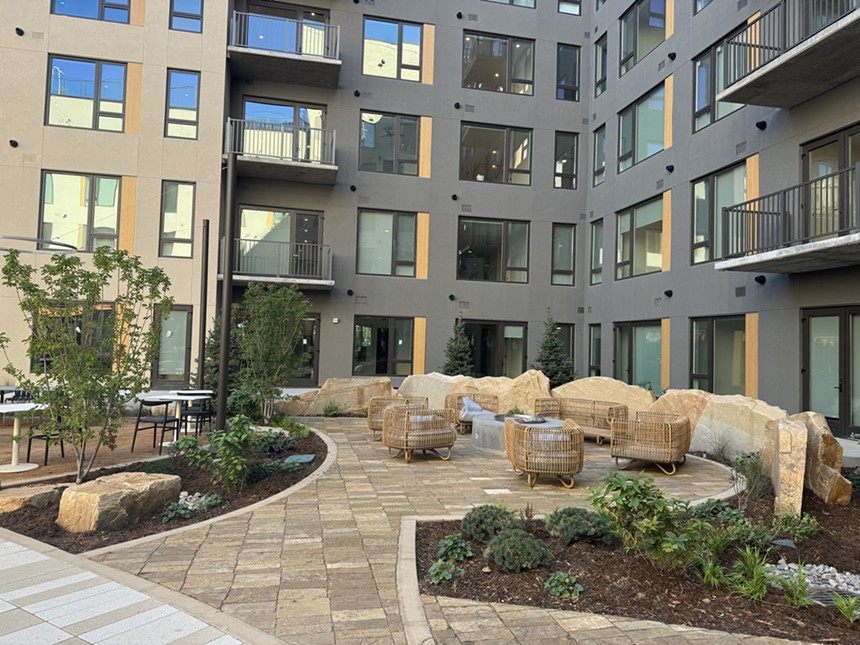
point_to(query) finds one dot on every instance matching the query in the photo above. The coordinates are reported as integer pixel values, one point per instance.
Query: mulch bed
(624, 585)
(39, 523)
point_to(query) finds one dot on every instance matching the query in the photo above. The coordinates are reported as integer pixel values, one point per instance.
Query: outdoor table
(179, 398)
(6, 390)
(488, 433)
(12, 408)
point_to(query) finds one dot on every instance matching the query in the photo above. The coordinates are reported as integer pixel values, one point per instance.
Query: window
(173, 363)
(641, 129)
(566, 144)
(569, 6)
(392, 49)
(639, 248)
(186, 15)
(597, 252)
(382, 346)
(567, 73)
(565, 333)
(601, 55)
(386, 243)
(564, 254)
(73, 102)
(91, 323)
(498, 348)
(599, 4)
(710, 195)
(492, 250)
(718, 355)
(389, 143)
(638, 354)
(177, 219)
(183, 95)
(498, 64)
(517, 3)
(599, 172)
(81, 210)
(594, 341)
(709, 70)
(286, 130)
(701, 4)
(108, 10)
(643, 27)
(281, 242)
(495, 155)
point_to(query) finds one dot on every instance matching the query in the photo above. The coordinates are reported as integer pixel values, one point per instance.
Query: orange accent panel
(428, 51)
(751, 356)
(419, 345)
(422, 246)
(127, 211)
(667, 231)
(133, 91)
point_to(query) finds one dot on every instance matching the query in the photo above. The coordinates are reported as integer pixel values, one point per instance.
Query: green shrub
(747, 467)
(186, 506)
(158, 467)
(515, 410)
(750, 576)
(455, 548)
(243, 401)
(274, 444)
(578, 524)
(854, 477)
(483, 522)
(443, 571)
(563, 585)
(798, 527)
(721, 450)
(294, 428)
(515, 550)
(747, 533)
(796, 588)
(332, 409)
(706, 560)
(848, 606)
(716, 509)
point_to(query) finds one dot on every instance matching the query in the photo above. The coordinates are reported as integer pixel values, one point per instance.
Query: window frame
(598, 173)
(633, 55)
(562, 90)
(118, 5)
(392, 362)
(601, 60)
(188, 16)
(595, 341)
(509, 64)
(573, 3)
(507, 172)
(596, 259)
(700, 5)
(168, 121)
(157, 382)
(396, 217)
(630, 262)
(709, 322)
(97, 83)
(710, 188)
(161, 238)
(513, 3)
(559, 177)
(91, 206)
(713, 104)
(631, 349)
(563, 272)
(633, 110)
(397, 129)
(503, 252)
(400, 65)
(566, 333)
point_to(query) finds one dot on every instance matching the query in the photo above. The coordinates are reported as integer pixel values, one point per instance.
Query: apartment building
(674, 178)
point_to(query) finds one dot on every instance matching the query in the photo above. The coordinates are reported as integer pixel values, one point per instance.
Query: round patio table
(12, 408)
(488, 433)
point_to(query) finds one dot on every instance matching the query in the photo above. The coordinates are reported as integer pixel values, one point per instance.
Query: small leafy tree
(551, 359)
(212, 358)
(271, 328)
(458, 352)
(94, 333)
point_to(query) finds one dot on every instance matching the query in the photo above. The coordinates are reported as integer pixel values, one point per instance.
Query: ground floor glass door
(307, 374)
(498, 349)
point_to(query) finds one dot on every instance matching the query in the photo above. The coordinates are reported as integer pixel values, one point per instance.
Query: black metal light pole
(226, 292)
(204, 288)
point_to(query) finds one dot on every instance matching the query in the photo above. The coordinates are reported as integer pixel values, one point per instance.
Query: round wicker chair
(407, 428)
(536, 451)
(662, 439)
(376, 406)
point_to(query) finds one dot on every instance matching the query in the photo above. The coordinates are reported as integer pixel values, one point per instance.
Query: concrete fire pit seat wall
(593, 417)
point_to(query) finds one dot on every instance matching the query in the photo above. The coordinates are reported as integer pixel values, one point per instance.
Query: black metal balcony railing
(284, 36)
(294, 260)
(777, 30)
(280, 141)
(819, 209)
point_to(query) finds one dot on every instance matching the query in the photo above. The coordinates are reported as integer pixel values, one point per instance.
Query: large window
(601, 56)
(382, 346)
(639, 248)
(566, 334)
(389, 143)
(186, 15)
(597, 252)
(638, 354)
(80, 210)
(496, 155)
(594, 349)
(566, 144)
(517, 3)
(573, 7)
(710, 195)
(564, 254)
(709, 70)
(386, 243)
(280, 242)
(718, 355)
(700, 4)
(498, 63)
(567, 73)
(498, 348)
(109, 10)
(492, 250)
(285, 130)
(177, 219)
(173, 363)
(599, 167)
(643, 27)
(392, 49)
(183, 98)
(86, 94)
(640, 129)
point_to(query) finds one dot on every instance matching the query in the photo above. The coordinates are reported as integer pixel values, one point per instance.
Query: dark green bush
(454, 548)
(563, 585)
(483, 522)
(295, 429)
(242, 401)
(746, 533)
(578, 525)
(515, 550)
(443, 571)
(275, 444)
(716, 509)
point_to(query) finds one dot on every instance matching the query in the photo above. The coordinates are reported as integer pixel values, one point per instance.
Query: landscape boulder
(114, 501)
(519, 392)
(296, 406)
(789, 465)
(349, 394)
(603, 388)
(823, 461)
(11, 499)
(434, 386)
(687, 403)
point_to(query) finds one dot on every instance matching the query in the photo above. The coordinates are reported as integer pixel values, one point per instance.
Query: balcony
(306, 265)
(299, 52)
(793, 52)
(282, 151)
(810, 227)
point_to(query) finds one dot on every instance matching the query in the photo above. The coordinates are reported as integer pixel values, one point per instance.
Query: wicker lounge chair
(663, 439)
(594, 417)
(407, 428)
(376, 406)
(489, 402)
(536, 451)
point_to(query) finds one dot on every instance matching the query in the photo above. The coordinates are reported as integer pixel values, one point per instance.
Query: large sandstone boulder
(823, 461)
(349, 394)
(741, 423)
(519, 392)
(789, 465)
(11, 499)
(434, 386)
(688, 403)
(296, 406)
(603, 388)
(114, 501)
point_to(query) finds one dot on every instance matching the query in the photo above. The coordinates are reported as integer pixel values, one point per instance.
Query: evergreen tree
(458, 352)
(212, 357)
(551, 359)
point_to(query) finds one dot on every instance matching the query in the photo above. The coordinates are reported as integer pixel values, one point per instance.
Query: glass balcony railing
(284, 36)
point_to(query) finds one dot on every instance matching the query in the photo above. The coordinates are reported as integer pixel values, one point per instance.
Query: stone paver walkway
(319, 566)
